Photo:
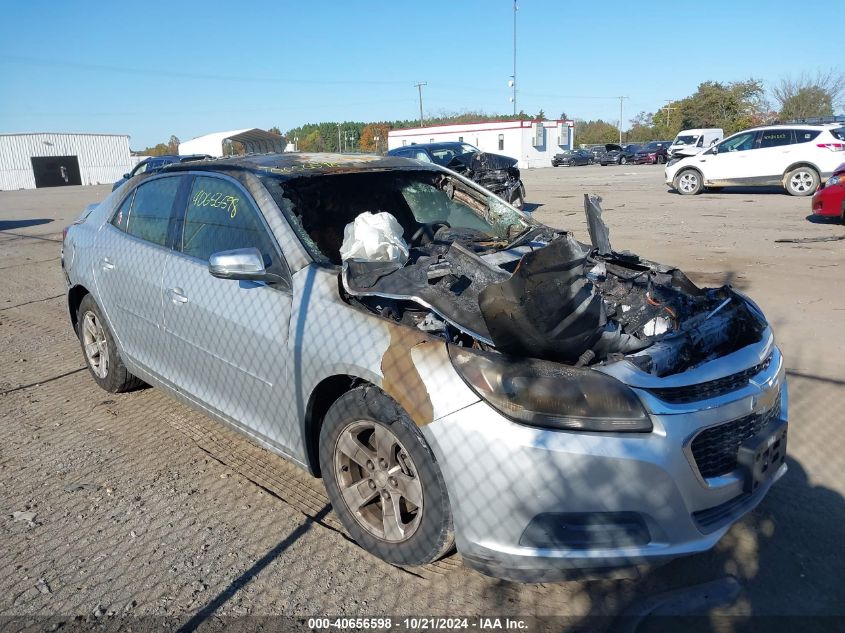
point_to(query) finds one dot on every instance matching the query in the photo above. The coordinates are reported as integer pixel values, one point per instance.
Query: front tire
(623, 160)
(802, 181)
(100, 351)
(383, 480)
(689, 182)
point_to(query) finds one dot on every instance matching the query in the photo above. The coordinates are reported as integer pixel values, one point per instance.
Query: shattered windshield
(319, 207)
(444, 155)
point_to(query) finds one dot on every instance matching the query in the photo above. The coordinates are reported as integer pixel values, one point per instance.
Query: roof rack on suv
(818, 120)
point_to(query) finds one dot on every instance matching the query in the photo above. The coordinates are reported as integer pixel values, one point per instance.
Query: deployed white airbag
(374, 237)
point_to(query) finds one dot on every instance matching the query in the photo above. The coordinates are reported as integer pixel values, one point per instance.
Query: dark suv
(497, 173)
(155, 163)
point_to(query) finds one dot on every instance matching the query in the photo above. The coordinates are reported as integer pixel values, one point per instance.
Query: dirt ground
(134, 505)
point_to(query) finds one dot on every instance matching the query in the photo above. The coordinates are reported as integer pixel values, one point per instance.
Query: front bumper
(639, 496)
(829, 202)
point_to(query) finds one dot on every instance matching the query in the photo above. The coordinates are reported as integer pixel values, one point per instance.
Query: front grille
(711, 388)
(715, 449)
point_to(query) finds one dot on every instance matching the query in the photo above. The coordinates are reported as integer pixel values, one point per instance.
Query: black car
(655, 152)
(497, 173)
(572, 157)
(155, 163)
(618, 155)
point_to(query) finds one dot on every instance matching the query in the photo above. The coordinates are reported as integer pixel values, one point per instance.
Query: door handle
(177, 295)
(107, 264)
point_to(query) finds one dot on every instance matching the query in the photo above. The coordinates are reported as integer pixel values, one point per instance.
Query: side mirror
(126, 176)
(242, 263)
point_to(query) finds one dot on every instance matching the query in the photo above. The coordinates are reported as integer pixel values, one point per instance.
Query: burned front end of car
(621, 414)
(494, 172)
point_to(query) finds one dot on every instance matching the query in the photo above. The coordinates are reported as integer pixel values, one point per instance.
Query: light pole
(513, 77)
(621, 99)
(419, 87)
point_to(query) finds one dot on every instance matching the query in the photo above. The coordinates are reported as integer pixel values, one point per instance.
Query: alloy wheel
(802, 181)
(378, 481)
(688, 182)
(96, 345)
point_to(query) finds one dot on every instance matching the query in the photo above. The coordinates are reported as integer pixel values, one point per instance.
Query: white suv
(794, 156)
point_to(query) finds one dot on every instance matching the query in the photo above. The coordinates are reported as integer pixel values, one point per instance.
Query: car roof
(296, 164)
(441, 145)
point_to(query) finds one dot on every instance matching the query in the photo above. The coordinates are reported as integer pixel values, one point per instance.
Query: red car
(829, 200)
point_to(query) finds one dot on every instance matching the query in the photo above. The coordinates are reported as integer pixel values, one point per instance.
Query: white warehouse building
(46, 159)
(532, 143)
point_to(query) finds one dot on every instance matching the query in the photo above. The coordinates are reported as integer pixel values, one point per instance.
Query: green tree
(809, 96)
(595, 132)
(733, 106)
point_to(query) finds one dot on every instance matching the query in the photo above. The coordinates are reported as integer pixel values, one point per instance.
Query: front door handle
(177, 295)
(107, 264)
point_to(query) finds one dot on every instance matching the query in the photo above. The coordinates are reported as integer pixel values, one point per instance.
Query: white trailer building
(46, 159)
(532, 143)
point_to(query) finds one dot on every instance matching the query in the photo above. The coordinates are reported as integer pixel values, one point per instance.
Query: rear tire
(383, 480)
(100, 350)
(801, 181)
(623, 160)
(689, 182)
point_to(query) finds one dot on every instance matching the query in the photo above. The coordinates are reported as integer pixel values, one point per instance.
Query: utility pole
(513, 77)
(419, 87)
(668, 109)
(621, 99)
(338, 137)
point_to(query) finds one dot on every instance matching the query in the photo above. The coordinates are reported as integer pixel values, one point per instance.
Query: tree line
(732, 106)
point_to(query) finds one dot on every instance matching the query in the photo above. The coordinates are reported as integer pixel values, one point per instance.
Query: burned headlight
(551, 395)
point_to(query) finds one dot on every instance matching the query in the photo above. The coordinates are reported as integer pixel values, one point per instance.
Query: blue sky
(152, 69)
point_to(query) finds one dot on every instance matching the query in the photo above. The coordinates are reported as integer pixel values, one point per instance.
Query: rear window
(805, 136)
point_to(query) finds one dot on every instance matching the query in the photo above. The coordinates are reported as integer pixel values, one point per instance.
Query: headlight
(551, 395)
(673, 161)
(833, 180)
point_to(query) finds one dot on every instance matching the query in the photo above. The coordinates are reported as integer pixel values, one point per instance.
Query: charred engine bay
(545, 295)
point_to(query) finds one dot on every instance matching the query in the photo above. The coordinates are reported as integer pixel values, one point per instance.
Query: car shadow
(823, 219)
(8, 225)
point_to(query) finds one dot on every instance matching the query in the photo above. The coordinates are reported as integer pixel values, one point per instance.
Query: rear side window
(775, 138)
(220, 217)
(147, 212)
(839, 133)
(805, 136)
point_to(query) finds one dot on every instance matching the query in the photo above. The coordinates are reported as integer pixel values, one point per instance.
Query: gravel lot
(136, 505)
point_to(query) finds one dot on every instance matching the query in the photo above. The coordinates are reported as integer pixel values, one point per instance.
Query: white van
(691, 142)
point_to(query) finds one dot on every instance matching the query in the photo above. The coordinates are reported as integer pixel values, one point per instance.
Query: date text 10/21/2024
(419, 624)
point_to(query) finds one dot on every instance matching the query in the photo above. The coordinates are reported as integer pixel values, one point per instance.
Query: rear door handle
(177, 295)
(107, 264)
